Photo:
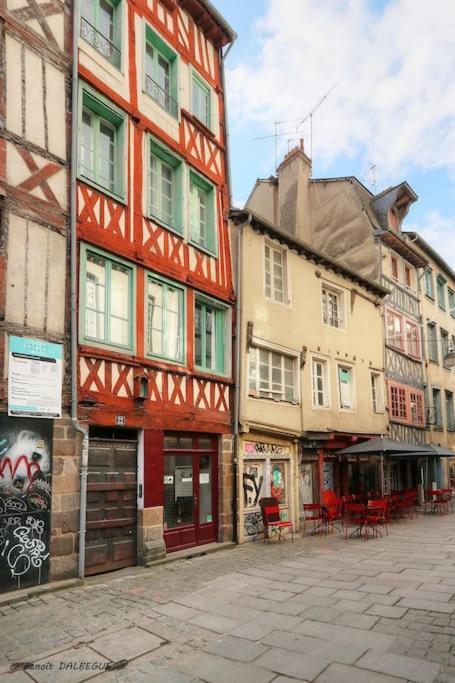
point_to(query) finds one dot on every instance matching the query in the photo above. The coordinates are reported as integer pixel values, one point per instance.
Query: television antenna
(371, 173)
(299, 122)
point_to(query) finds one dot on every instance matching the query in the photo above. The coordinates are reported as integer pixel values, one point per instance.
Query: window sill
(92, 183)
(416, 359)
(430, 298)
(286, 304)
(334, 327)
(201, 247)
(433, 362)
(165, 225)
(113, 348)
(211, 374)
(273, 400)
(199, 124)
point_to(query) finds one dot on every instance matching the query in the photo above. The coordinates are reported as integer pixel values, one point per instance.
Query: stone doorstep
(36, 591)
(196, 551)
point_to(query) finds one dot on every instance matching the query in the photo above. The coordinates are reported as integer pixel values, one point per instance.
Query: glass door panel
(178, 491)
(205, 490)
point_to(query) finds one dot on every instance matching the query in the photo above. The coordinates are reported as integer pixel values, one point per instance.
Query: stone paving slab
(339, 673)
(220, 670)
(347, 653)
(301, 667)
(410, 668)
(126, 644)
(309, 610)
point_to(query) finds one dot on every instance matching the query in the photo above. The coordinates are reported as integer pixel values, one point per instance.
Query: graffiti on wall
(277, 482)
(253, 484)
(25, 501)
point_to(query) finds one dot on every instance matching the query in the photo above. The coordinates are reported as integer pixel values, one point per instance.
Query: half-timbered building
(155, 281)
(39, 479)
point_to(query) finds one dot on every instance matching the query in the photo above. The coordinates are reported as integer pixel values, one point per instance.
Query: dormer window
(394, 220)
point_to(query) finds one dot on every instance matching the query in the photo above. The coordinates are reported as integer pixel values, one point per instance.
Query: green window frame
(107, 286)
(101, 143)
(210, 336)
(429, 283)
(165, 187)
(440, 283)
(202, 214)
(165, 319)
(201, 106)
(433, 354)
(451, 299)
(160, 72)
(101, 28)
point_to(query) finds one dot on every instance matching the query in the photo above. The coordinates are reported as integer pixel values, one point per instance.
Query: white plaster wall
(34, 109)
(35, 276)
(13, 85)
(55, 107)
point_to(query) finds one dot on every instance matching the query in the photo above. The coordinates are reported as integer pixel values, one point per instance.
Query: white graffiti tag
(29, 551)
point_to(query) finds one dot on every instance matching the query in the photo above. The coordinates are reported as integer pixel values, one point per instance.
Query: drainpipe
(238, 339)
(237, 305)
(73, 287)
(226, 123)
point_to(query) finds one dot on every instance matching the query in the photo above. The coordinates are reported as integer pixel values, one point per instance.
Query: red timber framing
(178, 396)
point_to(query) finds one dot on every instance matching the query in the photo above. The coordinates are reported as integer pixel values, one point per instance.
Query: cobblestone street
(320, 609)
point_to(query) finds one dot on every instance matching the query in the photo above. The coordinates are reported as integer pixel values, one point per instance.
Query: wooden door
(111, 505)
(190, 491)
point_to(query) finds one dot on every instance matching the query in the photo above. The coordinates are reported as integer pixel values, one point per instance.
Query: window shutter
(345, 388)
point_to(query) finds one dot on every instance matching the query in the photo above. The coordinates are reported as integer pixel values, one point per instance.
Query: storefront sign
(34, 378)
(25, 501)
(253, 449)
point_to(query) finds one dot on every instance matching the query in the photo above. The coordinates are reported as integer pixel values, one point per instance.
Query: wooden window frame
(210, 245)
(222, 338)
(404, 345)
(404, 396)
(352, 388)
(270, 292)
(161, 47)
(440, 287)
(105, 342)
(102, 110)
(327, 289)
(377, 392)
(254, 380)
(432, 334)
(165, 283)
(117, 27)
(158, 151)
(429, 283)
(326, 390)
(198, 82)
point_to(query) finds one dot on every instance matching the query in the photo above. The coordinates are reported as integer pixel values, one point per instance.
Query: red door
(190, 501)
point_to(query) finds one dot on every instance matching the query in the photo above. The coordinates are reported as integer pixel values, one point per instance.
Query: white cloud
(395, 101)
(439, 232)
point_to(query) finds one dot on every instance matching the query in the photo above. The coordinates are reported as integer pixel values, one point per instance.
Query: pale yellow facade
(296, 329)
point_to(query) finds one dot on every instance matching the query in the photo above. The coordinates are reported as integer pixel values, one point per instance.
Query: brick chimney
(293, 187)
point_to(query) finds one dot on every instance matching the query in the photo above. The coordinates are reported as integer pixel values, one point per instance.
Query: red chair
(375, 515)
(313, 513)
(333, 512)
(271, 519)
(354, 514)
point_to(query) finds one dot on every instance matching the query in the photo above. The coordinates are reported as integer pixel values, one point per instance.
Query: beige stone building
(436, 286)
(365, 232)
(311, 369)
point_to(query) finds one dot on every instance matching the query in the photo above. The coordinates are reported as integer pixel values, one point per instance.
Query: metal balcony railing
(100, 43)
(157, 93)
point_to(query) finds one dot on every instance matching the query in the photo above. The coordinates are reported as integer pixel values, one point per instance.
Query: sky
(389, 68)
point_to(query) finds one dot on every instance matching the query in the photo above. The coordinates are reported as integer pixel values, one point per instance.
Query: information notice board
(34, 378)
